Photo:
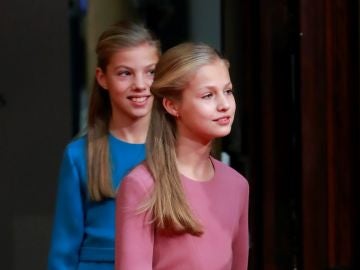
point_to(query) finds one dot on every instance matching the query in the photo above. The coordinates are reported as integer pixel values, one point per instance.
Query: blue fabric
(84, 231)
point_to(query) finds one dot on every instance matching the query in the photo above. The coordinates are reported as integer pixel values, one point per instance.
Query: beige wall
(101, 14)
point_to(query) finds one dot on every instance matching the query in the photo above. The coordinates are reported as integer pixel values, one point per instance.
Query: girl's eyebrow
(127, 67)
(122, 66)
(210, 87)
(229, 84)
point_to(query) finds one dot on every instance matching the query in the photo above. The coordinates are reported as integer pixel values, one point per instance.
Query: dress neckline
(209, 181)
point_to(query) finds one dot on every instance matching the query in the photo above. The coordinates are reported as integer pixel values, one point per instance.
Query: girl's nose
(140, 83)
(223, 103)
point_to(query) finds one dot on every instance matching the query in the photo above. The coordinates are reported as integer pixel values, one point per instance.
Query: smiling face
(207, 106)
(128, 77)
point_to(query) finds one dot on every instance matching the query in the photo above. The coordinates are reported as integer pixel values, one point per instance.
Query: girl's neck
(129, 130)
(193, 159)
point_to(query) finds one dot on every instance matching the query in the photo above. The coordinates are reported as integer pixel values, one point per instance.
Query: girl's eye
(207, 96)
(123, 73)
(151, 72)
(229, 92)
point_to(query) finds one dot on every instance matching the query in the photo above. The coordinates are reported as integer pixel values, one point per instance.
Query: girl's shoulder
(140, 174)
(141, 171)
(76, 147)
(76, 142)
(226, 172)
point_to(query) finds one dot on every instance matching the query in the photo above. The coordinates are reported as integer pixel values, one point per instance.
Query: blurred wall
(205, 23)
(35, 124)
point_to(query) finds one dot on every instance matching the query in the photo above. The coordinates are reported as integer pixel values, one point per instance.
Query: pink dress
(221, 206)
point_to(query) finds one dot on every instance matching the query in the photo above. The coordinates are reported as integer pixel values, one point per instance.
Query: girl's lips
(138, 99)
(223, 120)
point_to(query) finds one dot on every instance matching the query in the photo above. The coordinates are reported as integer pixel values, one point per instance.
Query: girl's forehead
(140, 54)
(210, 74)
(142, 47)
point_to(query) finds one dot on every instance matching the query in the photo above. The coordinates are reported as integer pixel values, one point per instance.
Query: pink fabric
(221, 205)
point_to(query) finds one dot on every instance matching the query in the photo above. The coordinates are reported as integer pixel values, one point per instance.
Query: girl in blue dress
(94, 164)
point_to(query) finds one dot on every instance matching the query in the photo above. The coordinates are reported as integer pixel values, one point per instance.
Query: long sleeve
(68, 227)
(241, 240)
(134, 239)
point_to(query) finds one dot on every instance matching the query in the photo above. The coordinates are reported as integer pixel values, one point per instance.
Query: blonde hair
(119, 36)
(167, 204)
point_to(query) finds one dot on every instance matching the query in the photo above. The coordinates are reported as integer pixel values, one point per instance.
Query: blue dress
(84, 231)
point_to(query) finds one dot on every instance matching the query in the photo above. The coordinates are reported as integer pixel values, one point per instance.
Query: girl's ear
(100, 77)
(171, 107)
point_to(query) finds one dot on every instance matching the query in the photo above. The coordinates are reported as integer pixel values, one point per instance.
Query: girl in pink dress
(182, 208)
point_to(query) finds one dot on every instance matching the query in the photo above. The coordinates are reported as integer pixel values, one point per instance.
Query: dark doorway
(296, 66)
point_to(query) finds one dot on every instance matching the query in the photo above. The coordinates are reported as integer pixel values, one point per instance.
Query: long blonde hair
(167, 204)
(119, 36)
